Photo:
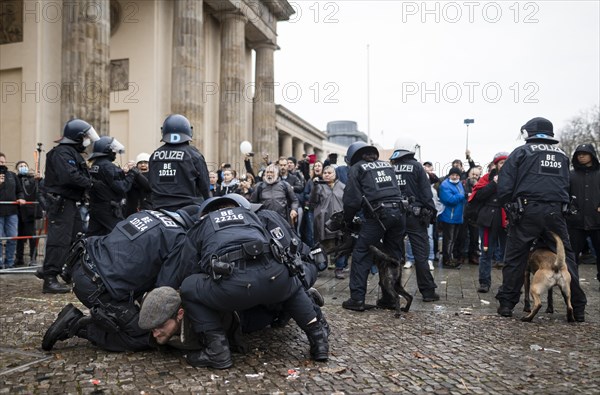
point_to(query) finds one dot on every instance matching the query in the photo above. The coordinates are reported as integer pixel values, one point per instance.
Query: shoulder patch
(277, 233)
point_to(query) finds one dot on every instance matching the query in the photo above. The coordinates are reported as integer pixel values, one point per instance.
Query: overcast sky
(499, 63)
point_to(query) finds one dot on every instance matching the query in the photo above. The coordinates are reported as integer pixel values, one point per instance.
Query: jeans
(8, 228)
(496, 240)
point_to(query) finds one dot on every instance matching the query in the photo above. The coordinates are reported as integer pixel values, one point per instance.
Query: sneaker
(430, 263)
(339, 274)
(433, 297)
(408, 264)
(483, 288)
(354, 305)
(505, 311)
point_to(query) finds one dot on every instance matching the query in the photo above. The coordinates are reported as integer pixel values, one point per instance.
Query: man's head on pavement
(161, 313)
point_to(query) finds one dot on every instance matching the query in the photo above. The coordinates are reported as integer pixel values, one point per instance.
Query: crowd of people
(211, 251)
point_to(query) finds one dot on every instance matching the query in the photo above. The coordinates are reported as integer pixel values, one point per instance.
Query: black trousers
(370, 234)
(538, 218)
(130, 337)
(262, 282)
(449, 239)
(579, 240)
(64, 222)
(419, 241)
(26, 228)
(102, 220)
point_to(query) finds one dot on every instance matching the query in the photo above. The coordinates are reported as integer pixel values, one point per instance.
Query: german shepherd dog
(549, 269)
(390, 268)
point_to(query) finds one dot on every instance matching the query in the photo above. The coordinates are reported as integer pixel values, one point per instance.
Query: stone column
(263, 121)
(298, 148)
(286, 145)
(231, 106)
(188, 65)
(85, 63)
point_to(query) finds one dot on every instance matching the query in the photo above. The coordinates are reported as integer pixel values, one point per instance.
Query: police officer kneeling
(239, 272)
(111, 272)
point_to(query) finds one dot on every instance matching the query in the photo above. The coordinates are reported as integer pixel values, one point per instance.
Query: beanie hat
(500, 156)
(454, 170)
(158, 306)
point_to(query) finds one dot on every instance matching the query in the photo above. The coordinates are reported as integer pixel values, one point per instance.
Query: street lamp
(468, 122)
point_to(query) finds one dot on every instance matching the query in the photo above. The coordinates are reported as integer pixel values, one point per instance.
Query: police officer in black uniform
(535, 180)
(111, 272)
(178, 174)
(66, 180)
(371, 187)
(111, 185)
(415, 187)
(240, 270)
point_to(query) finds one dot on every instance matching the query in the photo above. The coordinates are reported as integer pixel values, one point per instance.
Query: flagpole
(368, 96)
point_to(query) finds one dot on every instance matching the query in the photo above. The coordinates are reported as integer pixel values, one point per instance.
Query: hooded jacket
(585, 186)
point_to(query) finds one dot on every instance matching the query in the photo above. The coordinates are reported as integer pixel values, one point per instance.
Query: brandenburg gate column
(232, 117)
(188, 65)
(263, 120)
(286, 145)
(85, 64)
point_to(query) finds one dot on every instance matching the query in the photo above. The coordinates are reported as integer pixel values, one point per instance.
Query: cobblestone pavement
(455, 346)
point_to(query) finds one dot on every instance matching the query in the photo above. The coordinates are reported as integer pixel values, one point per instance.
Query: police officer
(66, 180)
(178, 174)
(415, 187)
(111, 185)
(535, 178)
(240, 271)
(111, 272)
(371, 187)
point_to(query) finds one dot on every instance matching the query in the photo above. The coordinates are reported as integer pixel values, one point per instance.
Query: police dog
(390, 268)
(549, 269)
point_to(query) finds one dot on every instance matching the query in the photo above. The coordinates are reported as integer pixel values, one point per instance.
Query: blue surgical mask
(454, 181)
(23, 170)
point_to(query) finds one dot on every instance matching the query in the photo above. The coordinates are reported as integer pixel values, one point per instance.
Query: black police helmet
(189, 214)
(356, 151)
(213, 203)
(102, 147)
(176, 129)
(539, 129)
(74, 131)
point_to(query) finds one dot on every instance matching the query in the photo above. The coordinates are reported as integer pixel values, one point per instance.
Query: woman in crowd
(28, 213)
(325, 199)
(307, 227)
(452, 195)
(246, 185)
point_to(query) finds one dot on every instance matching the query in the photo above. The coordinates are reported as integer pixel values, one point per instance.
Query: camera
(250, 153)
(3, 169)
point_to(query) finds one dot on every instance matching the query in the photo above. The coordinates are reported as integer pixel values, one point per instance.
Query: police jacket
(279, 229)
(413, 182)
(31, 193)
(138, 197)
(538, 171)
(111, 184)
(223, 231)
(66, 173)
(585, 186)
(10, 190)
(376, 181)
(453, 197)
(178, 176)
(142, 252)
(278, 197)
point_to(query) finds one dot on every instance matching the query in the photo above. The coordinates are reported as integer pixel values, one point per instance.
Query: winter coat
(326, 200)
(453, 198)
(485, 196)
(585, 186)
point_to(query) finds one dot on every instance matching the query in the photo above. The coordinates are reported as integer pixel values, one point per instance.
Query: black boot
(59, 330)
(216, 354)
(318, 339)
(52, 286)
(233, 327)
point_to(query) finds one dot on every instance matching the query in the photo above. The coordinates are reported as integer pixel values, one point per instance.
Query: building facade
(124, 65)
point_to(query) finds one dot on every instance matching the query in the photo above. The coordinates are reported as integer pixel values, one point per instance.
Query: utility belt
(516, 209)
(381, 205)
(246, 256)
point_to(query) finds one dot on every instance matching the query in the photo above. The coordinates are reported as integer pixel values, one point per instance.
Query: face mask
(86, 142)
(23, 170)
(454, 181)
